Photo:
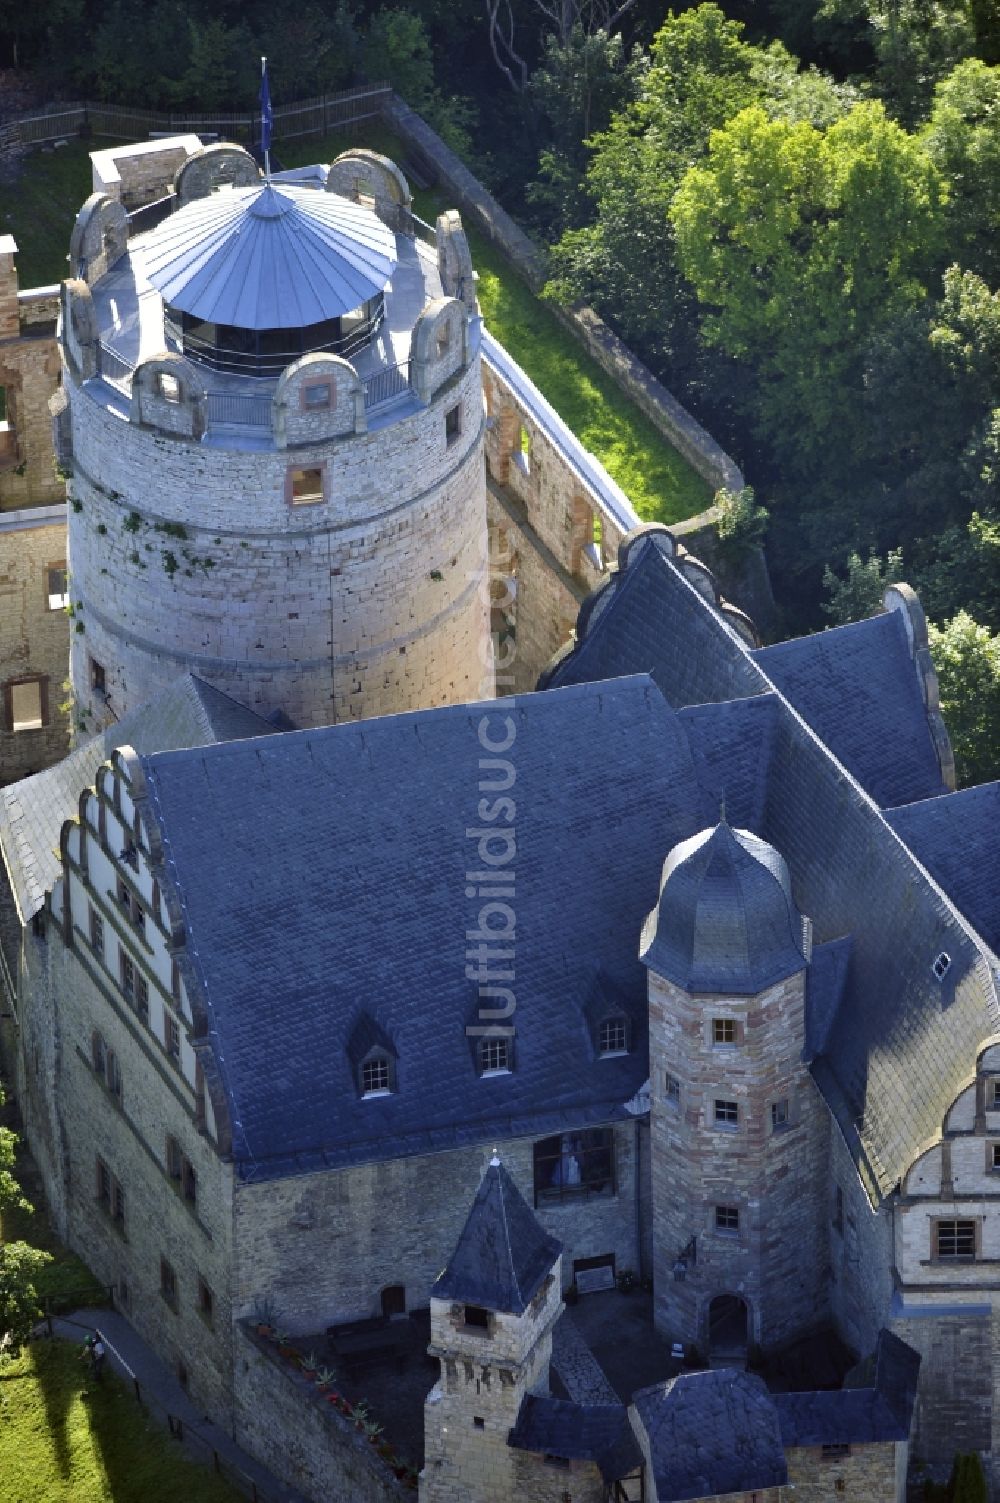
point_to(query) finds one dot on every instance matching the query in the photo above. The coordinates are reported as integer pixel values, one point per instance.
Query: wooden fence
(309, 117)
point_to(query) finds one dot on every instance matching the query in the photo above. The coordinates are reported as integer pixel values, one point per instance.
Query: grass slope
(39, 201)
(64, 1439)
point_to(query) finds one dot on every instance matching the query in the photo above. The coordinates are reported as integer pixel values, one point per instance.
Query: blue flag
(266, 112)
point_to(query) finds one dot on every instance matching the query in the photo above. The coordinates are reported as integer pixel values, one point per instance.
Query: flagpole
(265, 119)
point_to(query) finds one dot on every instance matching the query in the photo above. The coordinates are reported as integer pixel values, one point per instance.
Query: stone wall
(321, 1246)
(861, 1257)
(283, 1421)
(773, 1176)
(34, 637)
(371, 601)
(867, 1473)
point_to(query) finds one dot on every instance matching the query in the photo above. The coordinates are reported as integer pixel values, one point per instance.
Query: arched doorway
(728, 1324)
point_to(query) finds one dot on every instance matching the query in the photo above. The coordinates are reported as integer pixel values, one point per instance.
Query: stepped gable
(32, 812)
(325, 866)
(955, 837)
(711, 1433)
(725, 921)
(503, 1255)
(600, 1433)
(856, 687)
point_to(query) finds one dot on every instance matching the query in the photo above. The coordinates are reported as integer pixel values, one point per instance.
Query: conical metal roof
(269, 257)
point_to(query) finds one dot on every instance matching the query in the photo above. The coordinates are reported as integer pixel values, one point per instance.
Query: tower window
(452, 424)
(476, 1318)
(318, 396)
(56, 590)
(612, 1036)
(727, 1220)
(98, 680)
(494, 1056)
(995, 1156)
(727, 1113)
(304, 487)
(672, 1090)
(443, 340)
(26, 704)
(723, 1030)
(995, 1095)
(170, 389)
(834, 1451)
(779, 1114)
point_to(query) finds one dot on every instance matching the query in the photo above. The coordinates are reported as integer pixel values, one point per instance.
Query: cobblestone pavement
(581, 1374)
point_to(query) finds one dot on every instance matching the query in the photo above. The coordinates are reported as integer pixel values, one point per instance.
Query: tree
(915, 42)
(967, 659)
(963, 138)
(559, 19)
(961, 568)
(860, 594)
(968, 1480)
(19, 1263)
(800, 243)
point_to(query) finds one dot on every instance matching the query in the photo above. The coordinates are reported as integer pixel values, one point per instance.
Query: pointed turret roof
(503, 1253)
(726, 920)
(269, 257)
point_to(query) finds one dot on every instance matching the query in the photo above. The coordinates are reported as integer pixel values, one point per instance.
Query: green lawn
(64, 1439)
(38, 209)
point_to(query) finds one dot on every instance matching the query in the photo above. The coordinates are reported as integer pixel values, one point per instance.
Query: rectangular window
(612, 1037)
(672, 1090)
(452, 424)
(374, 1076)
(96, 932)
(305, 487)
(318, 396)
(834, 1451)
(574, 1165)
(168, 1283)
(56, 590)
(98, 679)
(993, 1099)
(126, 973)
(995, 1156)
(170, 389)
(727, 1113)
(476, 1318)
(727, 1219)
(142, 998)
(26, 705)
(171, 1037)
(117, 1203)
(103, 1186)
(206, 1302)
(779, 1114)
(175, 981)
(723, 1030)
(955, 1239)
(494, 1056)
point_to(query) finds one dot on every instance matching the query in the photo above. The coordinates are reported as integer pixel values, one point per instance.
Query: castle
(683, 962)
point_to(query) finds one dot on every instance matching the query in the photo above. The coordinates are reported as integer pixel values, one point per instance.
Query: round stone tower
(273, 419)
(737, 1126)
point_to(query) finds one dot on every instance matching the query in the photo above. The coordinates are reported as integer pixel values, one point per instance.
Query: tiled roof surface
(32, 812)
(325, 870)
(503, 1254)
(825, 983)
(711, 1433)
(956, 838)
(856, 687)
(586, 1432)
(878, 1408)
(724, 921)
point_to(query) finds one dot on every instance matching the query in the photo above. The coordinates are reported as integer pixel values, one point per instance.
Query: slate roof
(32, 812)
(897, 1044)
(878, 1409)
(956, 838)
(725, 920)
(582, 1432)
(269, 256)
(826, 979)
(503, 1253)
(711, 1433)
(856, 687)
(323, 869)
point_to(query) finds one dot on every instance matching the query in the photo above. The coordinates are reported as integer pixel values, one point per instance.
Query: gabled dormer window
(494, 1056)
(612, 1035)
(376, 1074)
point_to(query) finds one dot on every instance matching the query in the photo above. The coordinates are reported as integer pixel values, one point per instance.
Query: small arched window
(612, 1035)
